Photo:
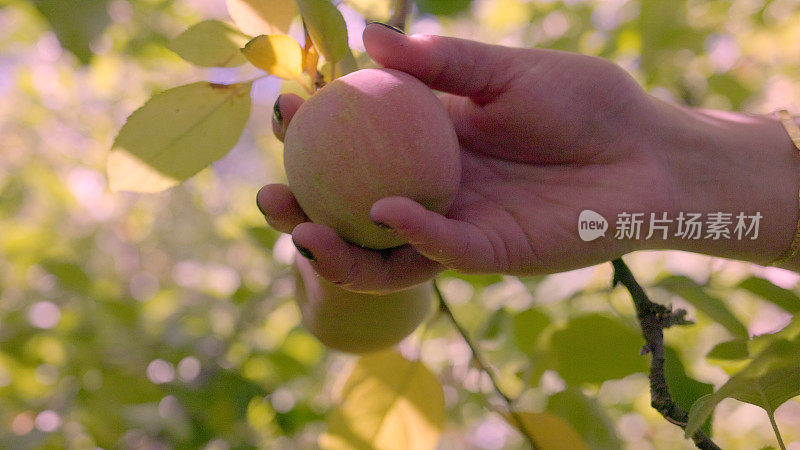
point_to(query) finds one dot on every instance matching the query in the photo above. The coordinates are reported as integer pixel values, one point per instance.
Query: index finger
(458, 66)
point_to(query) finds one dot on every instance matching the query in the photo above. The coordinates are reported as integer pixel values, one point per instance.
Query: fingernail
(393, 28)
(305, 252)
(258, 205)
(384, 227)
(276, 111)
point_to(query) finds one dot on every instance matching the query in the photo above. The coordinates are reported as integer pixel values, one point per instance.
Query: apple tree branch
(653, 319)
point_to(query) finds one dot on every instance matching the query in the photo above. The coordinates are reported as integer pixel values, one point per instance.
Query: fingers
(280, 208)
(468, 120)
(452, 243)
(458, 66)
(283, 111)
(359, 269)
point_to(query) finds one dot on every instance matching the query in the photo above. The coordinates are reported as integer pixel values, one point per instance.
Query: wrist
(742, 166)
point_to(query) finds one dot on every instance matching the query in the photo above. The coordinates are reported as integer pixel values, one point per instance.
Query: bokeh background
(167, 320)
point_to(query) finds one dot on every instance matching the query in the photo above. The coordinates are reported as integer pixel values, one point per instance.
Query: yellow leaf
(280, 55)
(387, 402)
(549, 431)
(257, 17)
(310, 59)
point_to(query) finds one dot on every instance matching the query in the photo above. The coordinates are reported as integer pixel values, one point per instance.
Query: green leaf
(278, 55)
(222, 401)
(176, 134)
(595, 348)
(587, 417)
(528, 326)
(12, 195)
(327, 28)
(664, 32)
(732, 356)
(494, 326)
(712, 306)
(549, 431)
(476, 280)
(70, 275)
(790, 332)
(76, 24)
(348, 64)
(256, 17)
(387, 402)
(295, 420)
(685, 390)
(769, 380)
(731, 87)
(735, 354)
(443, 7)
(784, 298)
(265, 237)
(211, 43)
(733, 350)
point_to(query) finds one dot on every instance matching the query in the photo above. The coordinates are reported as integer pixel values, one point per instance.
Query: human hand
(544, 135)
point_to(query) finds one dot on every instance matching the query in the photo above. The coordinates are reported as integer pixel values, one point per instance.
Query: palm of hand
(542, 149)
(521, 218)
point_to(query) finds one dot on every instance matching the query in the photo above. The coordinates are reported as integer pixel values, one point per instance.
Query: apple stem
(399, 19)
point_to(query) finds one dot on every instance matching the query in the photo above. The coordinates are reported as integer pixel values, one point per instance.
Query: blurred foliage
(167, 320)
(76, 24)
(443, 7)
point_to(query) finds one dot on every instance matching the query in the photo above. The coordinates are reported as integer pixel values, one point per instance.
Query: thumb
(286, 105)
(452, 243)
(458, 66)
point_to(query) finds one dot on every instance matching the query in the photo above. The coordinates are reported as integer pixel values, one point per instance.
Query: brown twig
(476, 358)
(402, 8)
(653, 318)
